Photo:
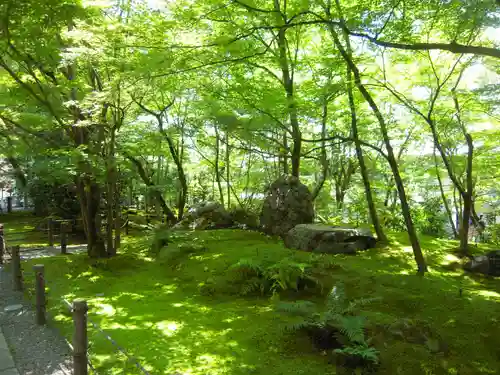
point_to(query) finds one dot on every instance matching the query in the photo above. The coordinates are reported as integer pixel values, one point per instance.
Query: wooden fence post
(2, 244)
(40, 293)
(51, 232)
(16, 268)
(80, 337)
(64, 237)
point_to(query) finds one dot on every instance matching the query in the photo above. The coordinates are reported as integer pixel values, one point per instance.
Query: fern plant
(250, 276)
(290, 275)
(339, 319)
(362, 351)
(278, 277)
(247, 268)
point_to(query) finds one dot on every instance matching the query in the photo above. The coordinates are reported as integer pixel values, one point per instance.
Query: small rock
(11, 308)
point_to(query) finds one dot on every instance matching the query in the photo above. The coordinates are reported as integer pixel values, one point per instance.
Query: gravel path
(37, 350)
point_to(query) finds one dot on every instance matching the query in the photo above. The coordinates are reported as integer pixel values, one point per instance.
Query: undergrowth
(338, 327)
(146, 305)
(250, 276)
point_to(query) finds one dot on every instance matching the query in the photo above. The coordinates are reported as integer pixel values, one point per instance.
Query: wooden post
(80, 342)
(16, 268)
(64, 237)
(2, 244)
(38, 269)
(9, 204)
(51, 232)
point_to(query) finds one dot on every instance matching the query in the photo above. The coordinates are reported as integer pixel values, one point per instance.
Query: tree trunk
(288, 85)
(90, 197)
(111, 190)
(445, 200)
(412, 234)
(228, 176)
(157, 194)
(118, 227)
(362, 166)
(181, 201)
(467, 197)
(216, 165)
(464, 228)
(339, 198)
(286, 170)
(323, 158)
(355, 134)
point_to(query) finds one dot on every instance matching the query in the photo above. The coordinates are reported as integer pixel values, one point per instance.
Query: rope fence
(78, 308)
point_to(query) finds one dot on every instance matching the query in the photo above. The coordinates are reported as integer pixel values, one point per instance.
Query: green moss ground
(155, 310)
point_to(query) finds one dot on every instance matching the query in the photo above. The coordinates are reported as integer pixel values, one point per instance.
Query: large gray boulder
(288, 203)
(329, 239)
(488, 264)
(208, 215)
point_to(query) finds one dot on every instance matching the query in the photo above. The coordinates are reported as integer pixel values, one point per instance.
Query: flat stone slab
(329, 239)
(12, 308)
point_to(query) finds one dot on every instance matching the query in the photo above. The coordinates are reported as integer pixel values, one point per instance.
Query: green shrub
(345, 330)
(252, 276)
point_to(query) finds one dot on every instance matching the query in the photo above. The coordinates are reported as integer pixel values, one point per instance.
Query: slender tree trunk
(158, 169)
(467, 197)
(445, 200)
(216, 165)
(181, 202)
(228, 175)
(118, 227)
(412, 234)
(362, 166)
(118, 212)
(355, 134)
(155, 192)
(131, 194)
(176, 156)
(459, 206)
(323, 157)
(388, 192)
(88, 189)
(339, 199)
(467, 192)
(288, 85)
(111, 191)
(286, 170)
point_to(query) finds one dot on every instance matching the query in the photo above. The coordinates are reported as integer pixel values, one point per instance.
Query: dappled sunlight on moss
(95, 278)
(104, 309)
(206, 257)
(488, 294)
(169, 328)
(156, 311)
